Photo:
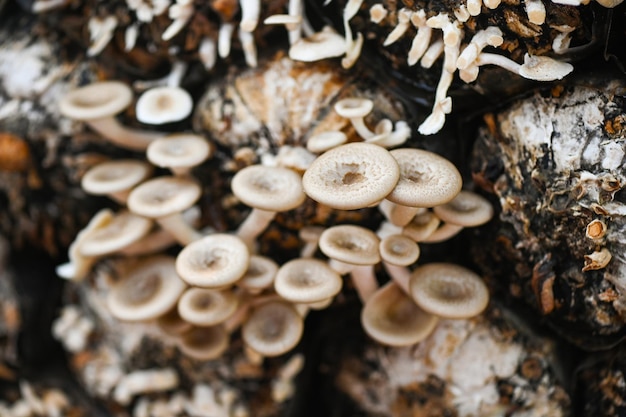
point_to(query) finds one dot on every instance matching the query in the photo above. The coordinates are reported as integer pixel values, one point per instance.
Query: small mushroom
(355, 109)
(205, 307)
(448, 290)
(324, 44)
(325, 141)
(160, 105)
(307, 280)
(164, 199)
(179, 152)
(204, 343)
(467, 209)
(399, 250)
(123, 229)
(273, 328)
(351, 176)
(148, 291)
(97, 104)
(115, 178)
(259, 275)
(214, 261)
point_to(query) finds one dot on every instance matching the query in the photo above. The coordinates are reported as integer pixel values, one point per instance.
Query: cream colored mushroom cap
(426, 179)
(399, 250)
(351, 108)
(204, 343)
(326, 43)
(351, 244)
(268, 188)
(273, 328)
(147, 292)
(171, 324)
(448, 290)
(96, 101)
(543, 68)
(125, 228)
(351, 176)
(467, 209)
(179, 150)
(162, 105)
(392, 318)
(260, 274)
(324, 141)
(205, 307)
(163, 196)
(307, 281)
(115, 176)
(214, 261)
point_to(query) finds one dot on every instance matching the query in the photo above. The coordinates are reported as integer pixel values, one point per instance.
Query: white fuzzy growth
(613, 156)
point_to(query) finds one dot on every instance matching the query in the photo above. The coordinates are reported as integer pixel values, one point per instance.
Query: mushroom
(179, 152)
(351, 176)
(160, 105)
(273, 328)
(250, 12)
(171, 324)
(353, 249)
(448, 290)
(259, 275)
(122, 230)
(310, 235)
(326, 43)
(214, 261)
(204, 343)
(306, 280)
(421, 226)
(467, 209)
(148, 291)
(426, 180)
(115, 178)
(96, 104)
(326, 140)
(164, 199)
(392, 318)
(205, 307)
(399, 250)
(538, 68)
(267, 190)
(355, 109)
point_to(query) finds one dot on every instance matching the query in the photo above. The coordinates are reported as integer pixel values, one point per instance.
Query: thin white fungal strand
(224, 39)
(404, 21)
(100, 33)
(180, 13)
(422, 37)
(378, 13)
(492, 36)
(295, 8)
(536, 11)
(250, 12)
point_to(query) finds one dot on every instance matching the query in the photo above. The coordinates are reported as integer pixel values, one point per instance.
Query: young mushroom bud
(97, 104)
(205, 307)
(179, 152)
(273, 328)
(115, 179)
(355, 109)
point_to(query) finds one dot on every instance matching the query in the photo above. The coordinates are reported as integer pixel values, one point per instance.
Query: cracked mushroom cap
(399, 250)
(351, 176)
(163, 196)
(467, 209)
(147, 292)
(353, 245)
(205, 307)
(96, 101)
(448, 290)
(273, 328)
(162, 105)
(426, 179)
(122, 230)
(392, 318)
(260, 274)
(204, 343)
(268, 188)
(307, 281)
(214, 261)
(115, 176)
(181, 150)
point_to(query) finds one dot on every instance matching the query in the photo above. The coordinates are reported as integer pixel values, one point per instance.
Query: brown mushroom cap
(161, 197)
(399, 250)
(148, 291)
(124, 229)
(392, 318)
(426, 179)
(260, 274)
(307, 281)
(268, 188)
(96, 101)
(182, 150)
(214, 261)
(448, 290)
(204, 343)
(467, 209)
(351, 176)
(273, 328)
(115, 176)
(205, 307)
(354, 245)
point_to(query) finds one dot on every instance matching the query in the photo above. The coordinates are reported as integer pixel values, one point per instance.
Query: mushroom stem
(250, 12)
(362, 276)
(443, 233)
(256, 222)
(400, 275)
(224, 39)
(398, 214)
(179, 228)
(111, 129)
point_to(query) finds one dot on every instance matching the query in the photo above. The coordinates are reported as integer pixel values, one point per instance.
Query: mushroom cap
(448, 290)
(114, 176)
(179, 150)
(214, 261)
(122, 230)
(268, 188)
(273, 328)
(326, 43)
(352, 108)
(260, 273)
(147, 292)
(96, 101)
(467, 209)
(307, 280)
(324, 141)
(426, 179)
(543, 68)
(351, 244)
(160, 105)
(171, 324)
(399, 250)
(205, 307)
(163, 196)
(392, 318)
(351, 176)
(204, 343)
